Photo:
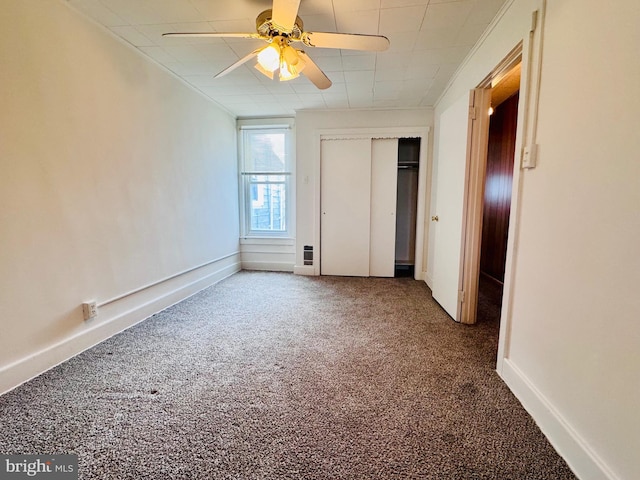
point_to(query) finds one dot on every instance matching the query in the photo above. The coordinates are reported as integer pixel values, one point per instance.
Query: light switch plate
(529, 156)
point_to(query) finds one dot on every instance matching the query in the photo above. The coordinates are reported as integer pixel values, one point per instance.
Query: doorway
(490, 167)
(497, 195)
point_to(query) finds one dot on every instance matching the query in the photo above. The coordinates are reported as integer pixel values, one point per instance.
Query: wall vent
(308, 255)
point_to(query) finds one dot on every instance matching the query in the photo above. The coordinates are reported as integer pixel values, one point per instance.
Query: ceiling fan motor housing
(266, 27)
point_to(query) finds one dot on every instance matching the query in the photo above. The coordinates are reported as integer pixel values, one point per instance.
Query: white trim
(268, 266)
(116, 317)
(263, 126)
(272, 254)
(371, 133)
(316, 152)
(359, 109)
(163, 280)
(266, 122)
(308, 270)
(580, 457)
(423, 207)
(286, 241)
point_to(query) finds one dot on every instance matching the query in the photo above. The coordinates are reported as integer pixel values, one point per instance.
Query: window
(265, 177)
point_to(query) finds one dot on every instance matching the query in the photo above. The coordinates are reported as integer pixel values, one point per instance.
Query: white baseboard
(268, 266)
(428, 280)
(584, 462)
(116, 317)
(304, 270)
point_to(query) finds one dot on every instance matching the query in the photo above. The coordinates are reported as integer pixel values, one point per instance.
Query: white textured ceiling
(429, 39)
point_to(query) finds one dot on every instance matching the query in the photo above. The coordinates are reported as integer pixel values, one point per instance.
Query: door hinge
(472, 113)
(461, 296)
(534, 21)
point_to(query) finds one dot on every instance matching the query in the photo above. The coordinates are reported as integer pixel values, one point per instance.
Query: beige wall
(114, 175)
(572, 340)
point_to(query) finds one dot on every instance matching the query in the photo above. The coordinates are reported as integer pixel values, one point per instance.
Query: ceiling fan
(280, 27)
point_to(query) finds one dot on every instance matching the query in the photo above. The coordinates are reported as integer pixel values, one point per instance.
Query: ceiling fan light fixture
(291, 65)
(290, 55)
(263, 71)
(269, 57)
(288, 72)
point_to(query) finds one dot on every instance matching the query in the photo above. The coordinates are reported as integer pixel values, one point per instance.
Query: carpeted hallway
(271, 375)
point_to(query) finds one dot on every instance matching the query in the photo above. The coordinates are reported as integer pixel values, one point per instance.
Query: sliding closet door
(384, 174)
(345, 194)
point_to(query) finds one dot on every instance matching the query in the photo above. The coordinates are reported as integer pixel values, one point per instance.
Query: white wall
(308, 124)
(571, 337)
(114, 176)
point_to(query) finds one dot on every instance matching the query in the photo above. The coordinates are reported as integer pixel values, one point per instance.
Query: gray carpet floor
(276, 376)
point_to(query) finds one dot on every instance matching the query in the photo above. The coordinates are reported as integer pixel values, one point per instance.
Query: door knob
(434, 218)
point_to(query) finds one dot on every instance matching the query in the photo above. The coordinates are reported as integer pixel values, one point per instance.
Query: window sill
(267, 241)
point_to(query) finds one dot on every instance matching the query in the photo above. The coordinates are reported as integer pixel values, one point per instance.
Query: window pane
(266, 178)
(268, 207)
(265, 152)
(265, 174)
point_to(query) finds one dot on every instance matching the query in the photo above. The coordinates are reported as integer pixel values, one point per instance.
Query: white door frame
(424, 172)
(475, 172)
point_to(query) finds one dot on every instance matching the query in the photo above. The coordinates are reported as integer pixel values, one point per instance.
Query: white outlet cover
(90, 310)
(529, 156)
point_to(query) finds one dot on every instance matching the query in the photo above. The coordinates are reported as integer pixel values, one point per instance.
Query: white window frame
(265, 125)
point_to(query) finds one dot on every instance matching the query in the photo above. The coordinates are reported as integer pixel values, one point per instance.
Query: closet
(368, 198)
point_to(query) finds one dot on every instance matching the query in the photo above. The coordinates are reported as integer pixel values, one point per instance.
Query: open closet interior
(406, 206)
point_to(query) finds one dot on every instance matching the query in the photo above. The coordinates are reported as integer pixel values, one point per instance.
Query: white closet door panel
(345, 193)
(384, 181)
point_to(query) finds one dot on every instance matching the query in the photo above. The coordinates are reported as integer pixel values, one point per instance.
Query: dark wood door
(497, 192)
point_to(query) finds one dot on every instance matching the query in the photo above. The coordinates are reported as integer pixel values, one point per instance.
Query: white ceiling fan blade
(284, 14)
(313, 72)
(212, 34)
(349, 41)
(244, 59)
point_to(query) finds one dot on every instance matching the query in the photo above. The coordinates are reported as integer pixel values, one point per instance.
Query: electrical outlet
(90, 309)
